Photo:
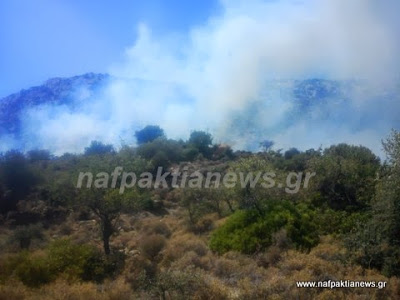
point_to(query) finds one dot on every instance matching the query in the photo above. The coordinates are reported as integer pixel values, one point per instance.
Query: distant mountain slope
(53, 91)
(84, 107)
(58, 91)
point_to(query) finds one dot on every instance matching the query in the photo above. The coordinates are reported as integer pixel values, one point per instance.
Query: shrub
(158, 228)
(248, 231)
(32, 271)
(346, 179)
(178, 284)
(202, 141)
(77, 261)
(203, 225)
(339, 222)
(161, 152)
(152, 245)
(291, 152)
(39, 155)
(97, 147)
(179, 245)
(190, 153)
(24, 235)
(160, 159)
(17, 179)
(222, 152)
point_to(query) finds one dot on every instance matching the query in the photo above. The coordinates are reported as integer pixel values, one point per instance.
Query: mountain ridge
(57, 90)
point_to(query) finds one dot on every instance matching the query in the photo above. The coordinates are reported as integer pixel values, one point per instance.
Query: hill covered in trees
(180, 241)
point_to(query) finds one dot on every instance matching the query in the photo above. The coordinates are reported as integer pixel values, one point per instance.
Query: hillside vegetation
(58, 241)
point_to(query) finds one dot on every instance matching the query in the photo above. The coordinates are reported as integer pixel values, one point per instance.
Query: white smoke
(246, 57)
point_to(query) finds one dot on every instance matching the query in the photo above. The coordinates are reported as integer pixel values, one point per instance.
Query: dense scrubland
(61, 242)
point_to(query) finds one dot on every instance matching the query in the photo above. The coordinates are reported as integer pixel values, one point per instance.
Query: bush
(181, 244)
(24, 235)
(32, 271)
(160, 159)
(202, 141)
(98, 148)
(152, 245)
(190, 153)
(175, 283)
(161, 152)
(346, 179)
(248, 231)
(149, 134)
(38, 155)
(17, 179)
(158, 228)
(291, 152)
(82, 262)
(339, 222)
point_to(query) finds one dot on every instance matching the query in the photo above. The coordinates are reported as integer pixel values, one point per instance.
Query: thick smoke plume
(237, 76)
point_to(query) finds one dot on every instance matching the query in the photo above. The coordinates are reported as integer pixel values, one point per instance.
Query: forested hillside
(99, 241)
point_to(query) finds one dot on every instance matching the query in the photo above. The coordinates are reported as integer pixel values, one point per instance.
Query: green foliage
(161, 152)
(345, 176)
(291, 153)
(24, 235)
(392, 148)
(39, 155)
(223, 152)
(32, 271)
(61, 259)
(352, 196)
(17, 178)
(190, 153)
(375, 243)
(202, 141)
(294, 160)
(149, 134)
(248, 231)
(339, 222)
(75, 261)
(98, 148)
(254, 196)
(107, 206)
(197, 203)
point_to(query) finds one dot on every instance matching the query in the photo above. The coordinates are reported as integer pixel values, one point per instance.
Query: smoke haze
(238, 76)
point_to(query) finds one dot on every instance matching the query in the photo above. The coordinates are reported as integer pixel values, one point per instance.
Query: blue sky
(46, 38)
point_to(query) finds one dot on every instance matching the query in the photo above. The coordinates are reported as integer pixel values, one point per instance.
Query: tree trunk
(107, 231)
(106, 245)
(230, 205)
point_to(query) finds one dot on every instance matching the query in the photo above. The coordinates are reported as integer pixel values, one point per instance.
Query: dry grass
(162, 244)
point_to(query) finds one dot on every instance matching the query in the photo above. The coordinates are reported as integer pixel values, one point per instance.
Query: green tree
(149, 134)
(98, 148)
(18, 179)
(345, 176)
(202, 141)
(107, 205)
(376, 243)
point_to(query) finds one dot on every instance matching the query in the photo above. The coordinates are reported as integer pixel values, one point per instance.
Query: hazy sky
(206, 67)
(40, 39)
